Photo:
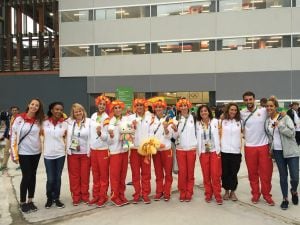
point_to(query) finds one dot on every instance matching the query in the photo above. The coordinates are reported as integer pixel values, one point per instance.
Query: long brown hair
(226, 113)
(39, 115)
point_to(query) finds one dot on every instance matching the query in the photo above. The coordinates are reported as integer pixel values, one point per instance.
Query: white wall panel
(127, 30)
(183, 63)
(122, 65)
(253, 60)
(76, 33)
(76, 66)
(75, 4)
(261, 21)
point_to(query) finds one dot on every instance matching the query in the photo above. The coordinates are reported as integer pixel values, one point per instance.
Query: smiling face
(184, 109)
(232, 111)
(204, 113)
(140, 109)
(78, 113)
(101, 106)
(33, 106)
(249, 102)
(159, 111)
(271, 108)
(117, 111)
(57, 111)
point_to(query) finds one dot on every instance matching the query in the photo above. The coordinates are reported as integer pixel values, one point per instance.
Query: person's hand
(174, 127)
(111, 133)
(98, 130)
(15, 161)
(2, 138)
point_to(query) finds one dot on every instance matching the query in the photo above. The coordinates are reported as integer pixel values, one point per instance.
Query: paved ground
(164, 213)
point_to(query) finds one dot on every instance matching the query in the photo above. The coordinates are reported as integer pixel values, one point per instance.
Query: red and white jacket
(31, 144)
(99, 142)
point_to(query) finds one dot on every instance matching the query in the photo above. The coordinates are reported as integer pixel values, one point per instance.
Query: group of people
(97, 144)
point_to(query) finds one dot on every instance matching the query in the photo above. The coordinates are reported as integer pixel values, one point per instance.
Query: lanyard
(155, 131)
(185, 121)
(78, 134)
(204, 129)
(249, 116)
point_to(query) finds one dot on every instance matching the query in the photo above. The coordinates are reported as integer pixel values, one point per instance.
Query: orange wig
(183, 101)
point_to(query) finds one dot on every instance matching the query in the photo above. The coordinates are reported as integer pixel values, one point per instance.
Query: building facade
(217, 47)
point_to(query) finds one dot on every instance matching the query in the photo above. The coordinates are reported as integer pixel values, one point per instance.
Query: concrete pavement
(173, 212)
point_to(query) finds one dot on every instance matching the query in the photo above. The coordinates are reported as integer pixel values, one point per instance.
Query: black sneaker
(48, 203)
(295, 198)
(25, 208)
(59, 204)
(32, 206)
(284, 204)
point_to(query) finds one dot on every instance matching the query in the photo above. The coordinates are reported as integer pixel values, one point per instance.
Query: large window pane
(254, 4)
(135, 12)
(76, 16)
(77, 51)
(230, 5)
(278, 3)
(254, 43)
(169, 47)
(122, 49)
(198, 7)
(100, 14)
(296, 41)
(169, 10)
(197, 46)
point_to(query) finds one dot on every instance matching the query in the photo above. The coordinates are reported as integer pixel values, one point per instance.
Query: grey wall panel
(108, 3)
(253, 22)
(183, 27)
(130, 30)
(122, 65)
(295, 82)
(263, 84)
(77, 66)
(73, 33)
(191, 82)
(18, 90)
(295, 19)
(295, 58)
(75, 4)
(183, 63)
(253, 60)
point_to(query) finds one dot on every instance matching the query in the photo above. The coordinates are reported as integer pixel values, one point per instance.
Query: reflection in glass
(254, 43)
(100, 14)
(198, 7)
(122, 13)
(122, 49)
(77, 51)
(198, 46)
(230, 5)
(75, 16)
(169, 10)
(296, 41)
(278, 3)
(169, 47)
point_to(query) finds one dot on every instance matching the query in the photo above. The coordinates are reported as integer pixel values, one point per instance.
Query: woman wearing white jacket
(209, 150)
(78, 150)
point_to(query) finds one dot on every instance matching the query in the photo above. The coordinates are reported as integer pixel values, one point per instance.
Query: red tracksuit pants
(118, 170)
(186, 167)
(100, 171)
(163, 163)
(141, 174)
(211, 166)
(260, 168)
(79, 175)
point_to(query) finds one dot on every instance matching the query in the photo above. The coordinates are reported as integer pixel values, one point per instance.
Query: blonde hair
(77, 106)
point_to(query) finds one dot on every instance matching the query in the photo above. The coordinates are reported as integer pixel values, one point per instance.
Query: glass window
(169, 47)
(76, 16)
(135, 12)
(296, 41)
(197, 46)
(230, 5)
(297, 3)
(254, 43)
(278, 3)
(169, 10)
(77, 51)
(100, 14)
(254, 4)
(198, 7)
(112, 14)
(123, 49)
